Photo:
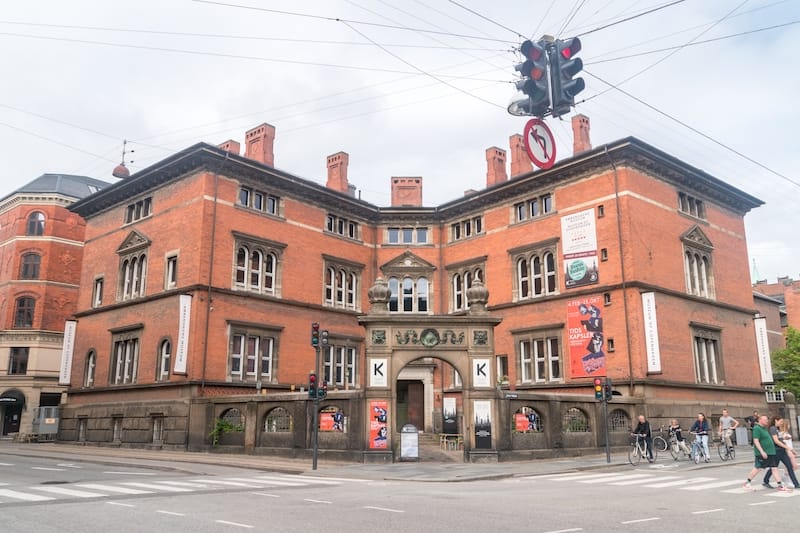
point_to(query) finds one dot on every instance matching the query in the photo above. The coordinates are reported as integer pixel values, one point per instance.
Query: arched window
(394, 296)
(132, 276)
(341, 286)
(255, 269)
(536, 274)
(35, 224)
(528, 420)
(576, 421)
(522, 276)
(164, 358)
(88, 372)
(234, 418)
(463, 280)
(29, 266)
(278, 420)
(422, 295)
(23, 314)
(241, 266)
(618, 421)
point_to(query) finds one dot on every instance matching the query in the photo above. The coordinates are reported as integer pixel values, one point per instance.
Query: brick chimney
(520, 162)
(231, 146)
(580, 134)
(495, 166)
(337, 172)
(259, 144)
(407, 192)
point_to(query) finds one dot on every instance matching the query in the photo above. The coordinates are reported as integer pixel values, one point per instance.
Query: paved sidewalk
(194, 462)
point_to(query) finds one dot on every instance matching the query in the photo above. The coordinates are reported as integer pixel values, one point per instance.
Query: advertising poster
(483, 424)
(586, 341)
(378, 409)
(579, 249)
(331, 419)
(526, 422)
(449, 412)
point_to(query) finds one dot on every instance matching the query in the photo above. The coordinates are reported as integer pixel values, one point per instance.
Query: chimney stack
(495, 166)
(520, 161)
(580, 134)
(407, 192)
(337, 172)
(259, 144)
(231, 146)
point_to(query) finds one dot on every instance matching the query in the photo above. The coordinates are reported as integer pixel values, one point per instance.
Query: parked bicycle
(725, 452)
(698, 453)
(659, 442)
(638, 450)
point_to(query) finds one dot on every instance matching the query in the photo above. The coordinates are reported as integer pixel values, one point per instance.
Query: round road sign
(540, 143)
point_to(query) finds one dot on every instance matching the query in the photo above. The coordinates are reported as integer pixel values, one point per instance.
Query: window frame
(30, 266)
(461, 280)
(339, 360)
(267, 256)
(164, 366)
(24, 312)
(97, 292)
(124, 361)
(409, 293)
(90, 368)
(35, 224)
(540, 357)
(341, 284)
(535, 271)
(709, 367)
(256, 364)
(171, 271)
(18, 358)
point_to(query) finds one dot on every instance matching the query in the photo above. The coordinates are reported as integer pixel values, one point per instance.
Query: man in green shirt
(764, 449)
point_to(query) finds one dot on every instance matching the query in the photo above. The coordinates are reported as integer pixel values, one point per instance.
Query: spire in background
(121, 171)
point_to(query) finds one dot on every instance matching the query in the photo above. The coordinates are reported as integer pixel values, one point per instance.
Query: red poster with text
(326, 422)
(586, 341)
(378, 411)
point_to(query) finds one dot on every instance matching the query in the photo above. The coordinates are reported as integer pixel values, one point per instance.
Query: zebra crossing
(653, 480)
(117, 488)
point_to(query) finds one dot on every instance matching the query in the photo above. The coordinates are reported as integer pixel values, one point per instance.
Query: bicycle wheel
(696, 453)
(634, 455)
(674, 450)
(724, 453)
(655, 454)
(659, 444)
(731, 453)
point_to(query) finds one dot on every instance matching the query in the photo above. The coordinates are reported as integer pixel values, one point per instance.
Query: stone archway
(394, 341)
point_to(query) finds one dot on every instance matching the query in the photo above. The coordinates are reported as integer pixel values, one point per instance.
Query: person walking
(783, 453)
(642, 429)
(726, 426)
(764, 450)
(786, 437)
(700, 429)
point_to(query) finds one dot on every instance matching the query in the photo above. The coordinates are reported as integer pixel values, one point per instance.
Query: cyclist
(726, 426)
(700, 429)
(675, 431)
(642, 429)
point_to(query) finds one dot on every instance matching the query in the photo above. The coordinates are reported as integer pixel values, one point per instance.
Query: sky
(406, 88)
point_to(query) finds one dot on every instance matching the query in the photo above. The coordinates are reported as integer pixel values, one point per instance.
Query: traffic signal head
(323, 391)
(608, 391)
(563, 66)
(312, 385)
(598, 389)
(315, 334)
(534, 81)
(323, 337)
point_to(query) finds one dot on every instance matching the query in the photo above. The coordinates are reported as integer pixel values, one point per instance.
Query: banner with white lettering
(762, 345)
(182, 348)
(67, 347)
(481, 373)
(378, 370)
(651, 332)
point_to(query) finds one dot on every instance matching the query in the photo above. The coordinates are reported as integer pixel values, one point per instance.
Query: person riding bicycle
(642, 430)
(726, 426)
(700, 429)
(675, 432)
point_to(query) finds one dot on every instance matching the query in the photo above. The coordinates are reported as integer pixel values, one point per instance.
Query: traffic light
(598, 389)
(312, 385)
(315, 334)
(323, 337)
(608, 390)
(534, 81)
(563, 66)
(323, 391)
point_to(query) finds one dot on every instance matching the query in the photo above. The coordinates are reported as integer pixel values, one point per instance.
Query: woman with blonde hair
(785, 434)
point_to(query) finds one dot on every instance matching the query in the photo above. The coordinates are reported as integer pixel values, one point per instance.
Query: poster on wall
(579, 249)
(650, 317)
(586, 341)
(527, 421)
(762, 345)
(331, 419)
(483, 424)
(67, 348)
(449, 413)
(378, 410)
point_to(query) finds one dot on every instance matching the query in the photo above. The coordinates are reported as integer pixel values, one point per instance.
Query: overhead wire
(484, 17)
(632, 17)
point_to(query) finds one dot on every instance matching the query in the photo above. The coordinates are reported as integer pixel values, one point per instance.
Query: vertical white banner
(67, 348)
(378, 368)
(481, 373)
(651, 332)
(182, 348)
(762, 345)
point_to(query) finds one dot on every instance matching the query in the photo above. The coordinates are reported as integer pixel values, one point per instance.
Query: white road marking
(345, 479)
(316, 501)
(190, 484)
(565, 530)
(762, 503)
(237, 524)
(309, 479)
(651, 519)
(121, 504)
(715, 485)
(628, 479)
(51, 469)
(384, 509)
(231, 483)
(268, 495)
(113, 488)
(574, 477)
(6, 464)
(131, 473)
(68, 465)
(165, 488)
(708, 511)
(785, 494)
(69, 492)
(8, 493)
(681, 482)
(171, 513)
(661, 479)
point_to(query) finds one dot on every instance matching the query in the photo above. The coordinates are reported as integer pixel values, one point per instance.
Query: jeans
(783, 457)
(704, 441)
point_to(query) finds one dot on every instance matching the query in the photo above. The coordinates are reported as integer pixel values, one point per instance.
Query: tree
(786, 363)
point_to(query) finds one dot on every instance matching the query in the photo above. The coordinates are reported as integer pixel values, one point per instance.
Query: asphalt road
(45, 495)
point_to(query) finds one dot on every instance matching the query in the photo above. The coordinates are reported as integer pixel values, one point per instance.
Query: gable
(696, 237)
(133, 241)
(407, 262)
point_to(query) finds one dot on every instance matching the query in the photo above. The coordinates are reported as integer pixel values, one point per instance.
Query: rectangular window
(519, 212)
(502, 368)
(171, 273)
(547, 203)
(407, 235)
(244, 197)
(138, 210)
(341, 226)
(393, 235)
(18, 361)
(339, 366)
(125, 361)
(707, 357)
(691, 206)
(466, 228)
(422, 235)
(97, 293)
(540, 359)
(258, 201)
(252, 356)
(526, 360)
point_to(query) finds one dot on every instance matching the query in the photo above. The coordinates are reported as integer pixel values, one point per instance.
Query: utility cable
(484, 17)
(632, 17)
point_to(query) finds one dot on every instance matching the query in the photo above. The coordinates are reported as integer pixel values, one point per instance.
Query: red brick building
(203, 273)
(41, 245)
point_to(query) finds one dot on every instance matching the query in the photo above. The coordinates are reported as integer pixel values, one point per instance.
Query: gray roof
(77, 187)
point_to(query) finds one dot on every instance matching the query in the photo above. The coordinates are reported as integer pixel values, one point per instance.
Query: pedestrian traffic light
(323, 391)
(315, 334)
(534, 81)
(608, 390)
(563, 66)
(598, 389)
(323, 337)
(312, 385)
